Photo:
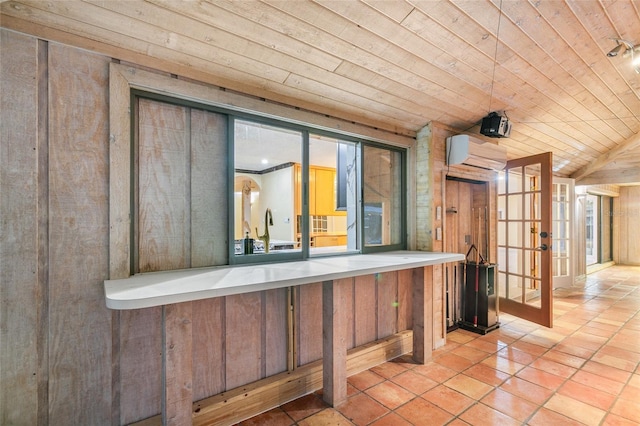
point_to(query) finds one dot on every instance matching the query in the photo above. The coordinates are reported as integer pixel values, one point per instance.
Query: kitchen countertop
(162, 288)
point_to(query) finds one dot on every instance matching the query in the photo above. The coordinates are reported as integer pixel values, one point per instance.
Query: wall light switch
(438, 234)
(439, 213)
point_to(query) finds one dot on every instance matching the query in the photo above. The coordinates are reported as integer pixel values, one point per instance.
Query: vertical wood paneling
(164, 153)
(208, 189)
(309, 320)
(451, 231)
(424, 188)
(438, 244)
(422, 314)
(439, 326)
(43, 232)
(464, 218)
(629, 215)
(349, 316)
(243, 338)
(79, 322)
(405, 305)
(140, 378)
(480, 211)
(208, 347)
(387, 303)
(19, 258)
(275, 330)
(453, 243)
(334, 325)
(182, 187)
(120, 209)
(365, 314)
(177, 364)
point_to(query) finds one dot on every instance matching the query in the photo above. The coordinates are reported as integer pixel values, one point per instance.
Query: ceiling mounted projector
(495, 126)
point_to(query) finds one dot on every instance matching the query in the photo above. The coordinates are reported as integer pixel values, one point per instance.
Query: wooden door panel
(524, 242)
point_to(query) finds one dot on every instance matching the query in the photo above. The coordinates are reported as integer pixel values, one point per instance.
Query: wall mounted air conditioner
(465, 149)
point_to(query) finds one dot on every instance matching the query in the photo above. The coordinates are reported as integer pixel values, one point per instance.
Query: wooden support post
(334, 342)
(422, 314)
(177, 360)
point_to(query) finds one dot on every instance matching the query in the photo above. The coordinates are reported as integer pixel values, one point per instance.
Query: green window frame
(369, 163)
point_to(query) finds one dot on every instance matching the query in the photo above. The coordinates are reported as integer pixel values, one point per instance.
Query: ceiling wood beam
(615, 176)
(629, 145)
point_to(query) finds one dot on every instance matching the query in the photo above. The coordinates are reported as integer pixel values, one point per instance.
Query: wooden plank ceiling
(395, 64)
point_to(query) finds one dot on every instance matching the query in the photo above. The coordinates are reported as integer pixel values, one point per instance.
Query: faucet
(268, 220)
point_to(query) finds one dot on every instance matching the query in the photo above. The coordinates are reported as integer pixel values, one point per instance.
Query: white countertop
(162, 288)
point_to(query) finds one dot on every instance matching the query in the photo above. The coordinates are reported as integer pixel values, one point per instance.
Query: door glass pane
(514, 181)
(515, 234)
(265, 189)
(333, 176)
(592, 229)
(502, 284)
(532, 173)
(502, 233)
(382, 189)
(513, 261)
(522, 220)
(562, 204)
(515, 207)
(532, 205)
(532, 263)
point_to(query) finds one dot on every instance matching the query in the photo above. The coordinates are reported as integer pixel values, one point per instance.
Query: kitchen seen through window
(213, 188)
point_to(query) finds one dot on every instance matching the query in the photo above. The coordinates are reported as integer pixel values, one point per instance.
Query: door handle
(543, 247)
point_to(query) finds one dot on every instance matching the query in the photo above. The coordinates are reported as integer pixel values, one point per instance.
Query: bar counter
(174, 291)
(163, 288)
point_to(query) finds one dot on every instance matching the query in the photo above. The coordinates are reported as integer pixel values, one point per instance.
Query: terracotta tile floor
(584, 371)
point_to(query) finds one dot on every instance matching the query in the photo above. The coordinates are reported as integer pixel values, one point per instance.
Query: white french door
(563, 205)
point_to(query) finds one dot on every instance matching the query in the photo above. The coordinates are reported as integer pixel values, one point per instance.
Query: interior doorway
(467, 213)
(508, 219)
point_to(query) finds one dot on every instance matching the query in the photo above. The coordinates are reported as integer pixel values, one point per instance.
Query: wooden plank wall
(429, 196)
(181, 185)
(65, 356)
(389, 292)
(431, 193)
(56, 330)
(23, 269)
(164, 237)
(79, 322)
(139, 383)
(627, 213)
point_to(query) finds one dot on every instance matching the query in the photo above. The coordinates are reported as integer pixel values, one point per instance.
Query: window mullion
(304, 220)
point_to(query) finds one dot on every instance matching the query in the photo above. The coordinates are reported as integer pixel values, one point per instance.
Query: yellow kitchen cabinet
(325, 193)
(328, 240)
(322, 191)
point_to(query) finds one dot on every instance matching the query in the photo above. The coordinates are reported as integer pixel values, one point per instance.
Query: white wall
(277, 194)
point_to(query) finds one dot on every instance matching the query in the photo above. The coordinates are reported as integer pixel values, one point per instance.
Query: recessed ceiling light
(265, 161)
